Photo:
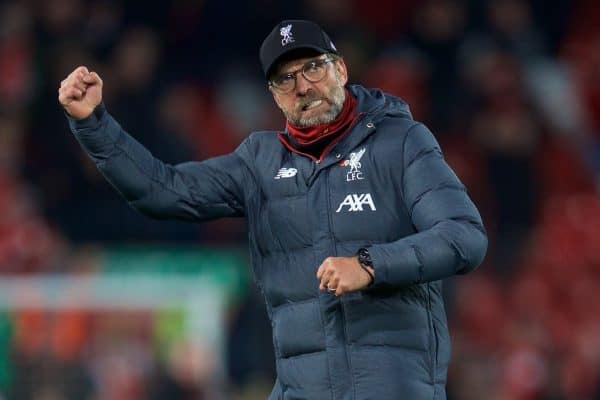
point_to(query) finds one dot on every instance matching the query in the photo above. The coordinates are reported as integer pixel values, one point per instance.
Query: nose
(302, 85)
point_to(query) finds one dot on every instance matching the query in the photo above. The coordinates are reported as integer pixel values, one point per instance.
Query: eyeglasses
(313, 71)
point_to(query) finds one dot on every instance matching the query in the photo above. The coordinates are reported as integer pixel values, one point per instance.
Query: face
(312, 103)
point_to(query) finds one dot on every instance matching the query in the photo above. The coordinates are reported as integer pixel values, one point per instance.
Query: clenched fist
(340, 275)
(80, 92)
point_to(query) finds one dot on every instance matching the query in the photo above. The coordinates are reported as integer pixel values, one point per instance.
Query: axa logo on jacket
(355, 202)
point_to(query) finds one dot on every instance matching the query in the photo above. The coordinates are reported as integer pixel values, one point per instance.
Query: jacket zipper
(359, 117)
(343, 309)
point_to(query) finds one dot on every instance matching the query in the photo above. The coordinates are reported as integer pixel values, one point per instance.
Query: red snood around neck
(312, 134)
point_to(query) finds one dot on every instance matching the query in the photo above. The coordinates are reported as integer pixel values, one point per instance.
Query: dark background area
(507, 87)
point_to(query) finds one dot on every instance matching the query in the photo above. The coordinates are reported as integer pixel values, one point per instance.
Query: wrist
(366, 263)
(91, 121)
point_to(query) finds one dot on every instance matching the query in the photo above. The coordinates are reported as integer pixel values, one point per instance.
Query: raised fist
(80, 92)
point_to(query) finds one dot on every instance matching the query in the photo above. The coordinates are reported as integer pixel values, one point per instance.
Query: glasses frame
(294, 74)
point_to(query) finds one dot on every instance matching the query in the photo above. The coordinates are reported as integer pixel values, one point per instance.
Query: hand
(80, 92)
(341, 275)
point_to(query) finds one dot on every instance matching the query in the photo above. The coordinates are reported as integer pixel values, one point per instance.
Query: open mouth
(312, 104)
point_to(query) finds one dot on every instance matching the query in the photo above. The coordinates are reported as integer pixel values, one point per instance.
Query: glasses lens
(315, 70)
(284, 83)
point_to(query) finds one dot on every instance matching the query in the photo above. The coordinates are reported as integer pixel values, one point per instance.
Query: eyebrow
(300, 65)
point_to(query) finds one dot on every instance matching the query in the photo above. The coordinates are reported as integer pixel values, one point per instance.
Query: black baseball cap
(292, 35)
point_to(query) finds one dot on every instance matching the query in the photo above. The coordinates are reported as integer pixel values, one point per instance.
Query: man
(354, 219)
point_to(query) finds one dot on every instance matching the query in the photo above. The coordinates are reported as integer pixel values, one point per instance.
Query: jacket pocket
(379, 318)
(297, 328)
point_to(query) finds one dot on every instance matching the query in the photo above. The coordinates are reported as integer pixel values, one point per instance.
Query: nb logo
(357, 202)
(286, 173)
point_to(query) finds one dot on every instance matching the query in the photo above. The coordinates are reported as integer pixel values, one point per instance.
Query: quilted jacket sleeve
(188, 191)
(450, 236)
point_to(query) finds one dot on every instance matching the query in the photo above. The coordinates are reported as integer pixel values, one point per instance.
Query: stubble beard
(335, 99)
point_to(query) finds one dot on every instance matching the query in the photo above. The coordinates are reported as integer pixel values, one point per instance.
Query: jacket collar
(371, 107)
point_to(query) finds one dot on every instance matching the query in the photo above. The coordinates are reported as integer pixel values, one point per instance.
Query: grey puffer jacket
(384, 186)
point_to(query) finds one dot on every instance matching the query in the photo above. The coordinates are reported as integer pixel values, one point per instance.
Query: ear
(342, 71)
(275, 97)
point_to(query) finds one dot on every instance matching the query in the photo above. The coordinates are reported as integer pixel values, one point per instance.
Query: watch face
(364, 257)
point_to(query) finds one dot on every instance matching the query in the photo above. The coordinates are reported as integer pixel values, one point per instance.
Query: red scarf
(305, 137)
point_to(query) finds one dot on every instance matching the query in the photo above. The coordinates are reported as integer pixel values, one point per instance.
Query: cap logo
(286, 33)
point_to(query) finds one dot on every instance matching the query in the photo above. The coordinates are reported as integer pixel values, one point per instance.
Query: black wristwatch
(364, 259)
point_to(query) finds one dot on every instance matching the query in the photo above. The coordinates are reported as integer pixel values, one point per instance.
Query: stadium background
(100, 303)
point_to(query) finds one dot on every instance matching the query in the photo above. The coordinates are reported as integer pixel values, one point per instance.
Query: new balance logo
(355, 202)
(286, 173)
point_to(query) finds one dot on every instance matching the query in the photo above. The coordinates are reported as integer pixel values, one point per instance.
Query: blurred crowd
(507, 86)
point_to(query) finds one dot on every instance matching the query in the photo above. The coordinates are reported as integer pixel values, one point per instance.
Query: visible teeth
(312, 104)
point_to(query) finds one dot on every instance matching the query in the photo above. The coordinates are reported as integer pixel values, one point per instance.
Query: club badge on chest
(353, 162)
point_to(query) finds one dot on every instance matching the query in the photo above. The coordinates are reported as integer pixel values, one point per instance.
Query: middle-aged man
(354, 218)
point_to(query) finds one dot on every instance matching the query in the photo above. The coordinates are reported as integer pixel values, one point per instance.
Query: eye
(283, 79)
(313, 66)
